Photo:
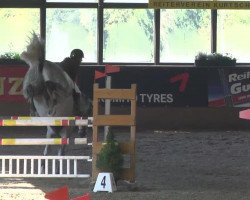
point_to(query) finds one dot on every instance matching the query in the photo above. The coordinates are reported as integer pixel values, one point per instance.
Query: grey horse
(49, 89)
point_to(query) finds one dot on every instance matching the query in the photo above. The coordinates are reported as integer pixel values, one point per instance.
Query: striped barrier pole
(30, 117)
(41, 141)
(47, 121)
(49, 118)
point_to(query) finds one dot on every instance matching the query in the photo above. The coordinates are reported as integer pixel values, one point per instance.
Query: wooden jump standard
(115, 120)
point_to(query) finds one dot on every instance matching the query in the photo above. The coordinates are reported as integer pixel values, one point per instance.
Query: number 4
(103, 182)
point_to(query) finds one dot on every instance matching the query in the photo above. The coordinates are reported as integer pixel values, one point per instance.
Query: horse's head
(34, 51)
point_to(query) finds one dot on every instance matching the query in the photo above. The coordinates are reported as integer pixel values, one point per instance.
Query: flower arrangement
(10, 55)
(214, 59)
(11, 58)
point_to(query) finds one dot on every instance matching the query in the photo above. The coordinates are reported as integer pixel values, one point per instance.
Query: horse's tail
(34, 54)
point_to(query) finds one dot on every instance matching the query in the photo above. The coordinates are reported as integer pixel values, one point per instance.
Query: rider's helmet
(77, 53)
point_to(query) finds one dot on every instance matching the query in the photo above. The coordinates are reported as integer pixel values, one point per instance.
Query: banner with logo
(156, 86)
(229, 87)
(199, 4)
(11, 81)
(159, 86)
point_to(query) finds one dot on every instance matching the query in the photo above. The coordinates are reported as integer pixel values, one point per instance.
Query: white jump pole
(107, 104)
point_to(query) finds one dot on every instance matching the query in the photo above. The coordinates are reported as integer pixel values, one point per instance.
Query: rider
(71, 65)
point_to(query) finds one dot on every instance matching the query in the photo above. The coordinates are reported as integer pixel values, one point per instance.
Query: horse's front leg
(64, 133)
(47, 149)
(82, 131)
(50, 133)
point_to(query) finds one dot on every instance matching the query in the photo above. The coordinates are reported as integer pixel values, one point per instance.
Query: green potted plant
(11, 58)
(110, 158)
(214, 59)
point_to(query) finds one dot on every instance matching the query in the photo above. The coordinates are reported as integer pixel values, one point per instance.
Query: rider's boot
(76, 105)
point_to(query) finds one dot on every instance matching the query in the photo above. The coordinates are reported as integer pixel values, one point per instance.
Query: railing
(31, 166)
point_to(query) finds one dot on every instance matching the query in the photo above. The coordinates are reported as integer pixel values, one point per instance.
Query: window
(128, 31)
(128, 35)
(233, 33)
(17, 26)
(68, 29)
(184, 33)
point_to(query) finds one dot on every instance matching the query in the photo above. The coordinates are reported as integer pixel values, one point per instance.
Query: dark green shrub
(110, 158)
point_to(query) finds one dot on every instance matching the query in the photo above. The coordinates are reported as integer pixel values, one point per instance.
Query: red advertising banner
(11, 82)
